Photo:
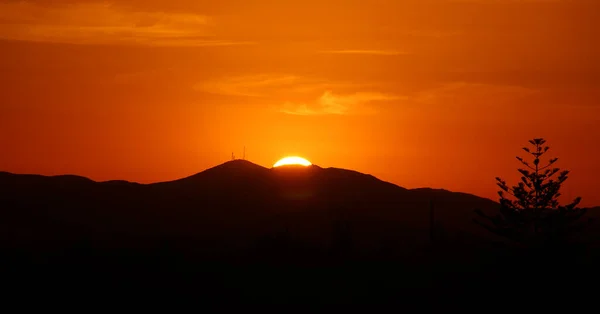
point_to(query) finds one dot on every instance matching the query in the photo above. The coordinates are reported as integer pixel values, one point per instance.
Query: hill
(230, 200)
(237, 213)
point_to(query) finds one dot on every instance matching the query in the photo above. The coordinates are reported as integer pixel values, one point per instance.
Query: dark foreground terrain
(243, 233)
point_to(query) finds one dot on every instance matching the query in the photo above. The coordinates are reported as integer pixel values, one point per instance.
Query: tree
(531, 214)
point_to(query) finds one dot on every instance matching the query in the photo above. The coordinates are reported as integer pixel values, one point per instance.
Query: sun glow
(293, 160)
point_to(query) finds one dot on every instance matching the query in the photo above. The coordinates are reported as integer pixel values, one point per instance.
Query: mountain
(230, 200)
(237, 213)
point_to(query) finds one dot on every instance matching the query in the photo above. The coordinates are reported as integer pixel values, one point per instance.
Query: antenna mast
(244, 157)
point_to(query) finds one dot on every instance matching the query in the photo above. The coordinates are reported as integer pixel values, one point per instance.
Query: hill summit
(238, 213)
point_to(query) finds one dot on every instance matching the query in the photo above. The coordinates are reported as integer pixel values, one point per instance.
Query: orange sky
(438, 93)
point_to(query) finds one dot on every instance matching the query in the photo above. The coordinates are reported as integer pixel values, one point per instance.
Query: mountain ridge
(220, 222)
(226, 166)
(236, 165)
(234, 196)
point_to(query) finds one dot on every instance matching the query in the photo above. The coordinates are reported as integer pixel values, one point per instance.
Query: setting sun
(294, 160)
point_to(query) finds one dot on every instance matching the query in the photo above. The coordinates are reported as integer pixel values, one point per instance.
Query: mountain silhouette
(237, 213)
(233, 198)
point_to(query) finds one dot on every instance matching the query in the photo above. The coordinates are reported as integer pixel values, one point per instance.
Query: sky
(421, 93)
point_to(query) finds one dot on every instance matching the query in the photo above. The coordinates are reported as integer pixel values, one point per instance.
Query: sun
(292, 160)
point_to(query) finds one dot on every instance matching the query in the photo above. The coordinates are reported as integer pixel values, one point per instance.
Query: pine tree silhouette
(531, 214)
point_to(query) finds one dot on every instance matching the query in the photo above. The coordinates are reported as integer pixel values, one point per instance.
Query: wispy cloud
(103, 23)
(264, 85)
(251, 86)
(336, 104)
(432, 33)
(366, 52)
(504, 1)
(472, 93)
(294, 90)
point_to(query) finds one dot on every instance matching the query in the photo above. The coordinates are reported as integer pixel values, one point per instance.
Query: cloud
(251, 86)
(273, 88)
(332, 104)
(472, 93)
(103, 23)
(432, 33)
(366, 52)
(505, 1)
(265, 85)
